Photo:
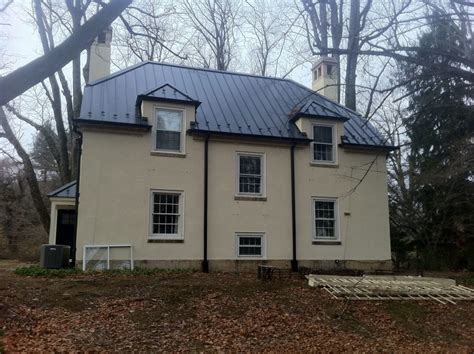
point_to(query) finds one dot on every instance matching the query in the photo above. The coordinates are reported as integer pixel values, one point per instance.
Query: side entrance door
(65, 227)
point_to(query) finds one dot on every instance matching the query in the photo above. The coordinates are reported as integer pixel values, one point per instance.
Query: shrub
(36, 271)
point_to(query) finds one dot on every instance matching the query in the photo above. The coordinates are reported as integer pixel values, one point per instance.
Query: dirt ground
(197, 312)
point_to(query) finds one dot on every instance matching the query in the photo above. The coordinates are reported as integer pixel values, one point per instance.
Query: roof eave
(203, 132)
(313, 116)
(368, 147)
(102, 123)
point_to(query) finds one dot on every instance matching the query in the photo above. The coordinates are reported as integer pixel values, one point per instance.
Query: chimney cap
(328, 60)
(104, 37)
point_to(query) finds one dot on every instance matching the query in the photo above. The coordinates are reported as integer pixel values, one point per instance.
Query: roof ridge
(115, 74)
(133, 67)
(312, 92)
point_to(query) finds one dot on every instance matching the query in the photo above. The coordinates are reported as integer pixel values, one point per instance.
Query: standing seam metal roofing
(66, 191)
(230, 102)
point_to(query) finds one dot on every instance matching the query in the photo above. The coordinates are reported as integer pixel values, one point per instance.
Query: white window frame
(182, 140)
(158, 236)
(333, 126)
(263, 166)
(337, 228)
(261, 235)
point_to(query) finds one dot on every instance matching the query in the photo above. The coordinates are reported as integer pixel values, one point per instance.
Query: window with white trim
(323, 147)
(325, 219)
(250, 179)
(168, 133)
(250, 245)
(166, 215)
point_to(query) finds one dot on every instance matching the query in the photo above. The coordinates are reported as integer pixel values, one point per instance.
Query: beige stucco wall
(118, 172)
(56, 204)
(363, 208)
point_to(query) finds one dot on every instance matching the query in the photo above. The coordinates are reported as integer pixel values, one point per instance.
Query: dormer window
(323, 145)
(168, 130)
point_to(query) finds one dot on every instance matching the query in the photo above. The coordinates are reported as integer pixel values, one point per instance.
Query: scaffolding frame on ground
(444, 291)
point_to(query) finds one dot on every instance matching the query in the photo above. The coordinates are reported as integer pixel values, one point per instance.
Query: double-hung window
(325, 219)
(323, 147)
(250, 177)
(168, 130)
(166, 215)
(250, 245)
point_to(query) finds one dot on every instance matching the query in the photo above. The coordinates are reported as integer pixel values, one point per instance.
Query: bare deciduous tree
(28, 168)
(149, 30)
(216, 23)
(269, 31)
(366, 26)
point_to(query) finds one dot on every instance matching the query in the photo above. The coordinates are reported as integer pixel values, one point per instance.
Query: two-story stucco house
(197, 168)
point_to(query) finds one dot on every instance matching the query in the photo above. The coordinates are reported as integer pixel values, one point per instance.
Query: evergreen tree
(441, 159)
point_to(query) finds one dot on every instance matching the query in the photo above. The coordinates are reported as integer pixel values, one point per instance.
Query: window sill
(322, 164)
(250, 198)
(327, 243)
(161, 240)
(168, 154)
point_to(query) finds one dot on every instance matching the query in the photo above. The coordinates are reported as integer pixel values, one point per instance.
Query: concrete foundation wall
(237, 265)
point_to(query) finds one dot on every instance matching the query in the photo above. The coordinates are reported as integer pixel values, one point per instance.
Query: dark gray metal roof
(66, 191)
(230, 102)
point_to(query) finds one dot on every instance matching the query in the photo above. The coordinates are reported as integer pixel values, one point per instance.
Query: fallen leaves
(218, 312)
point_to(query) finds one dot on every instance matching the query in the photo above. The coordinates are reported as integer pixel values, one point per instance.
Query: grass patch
(36, 271)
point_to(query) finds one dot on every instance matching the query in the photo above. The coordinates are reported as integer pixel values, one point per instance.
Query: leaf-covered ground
(195, 311)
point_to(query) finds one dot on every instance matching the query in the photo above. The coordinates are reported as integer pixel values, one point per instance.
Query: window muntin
(250, 174)
(166, 211)
(250, 245)
(323, 144)
(325, 219)
(168, 130)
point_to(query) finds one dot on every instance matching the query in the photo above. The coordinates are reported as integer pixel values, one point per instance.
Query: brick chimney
(99, 56)
(325, 77)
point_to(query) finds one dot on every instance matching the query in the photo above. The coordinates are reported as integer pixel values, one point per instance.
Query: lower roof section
(66, 191)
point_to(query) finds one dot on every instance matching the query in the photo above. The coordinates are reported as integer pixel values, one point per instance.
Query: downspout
(205, 262)
(294, 262)
(76, 202)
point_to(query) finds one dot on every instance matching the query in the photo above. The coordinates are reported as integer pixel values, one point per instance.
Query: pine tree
(441, 130)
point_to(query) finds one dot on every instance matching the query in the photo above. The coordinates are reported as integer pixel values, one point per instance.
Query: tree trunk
(30, 174)
(352, 55)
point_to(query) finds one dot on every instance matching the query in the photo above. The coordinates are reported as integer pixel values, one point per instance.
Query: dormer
(170, 112)
(323, 123)
(325, 80)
